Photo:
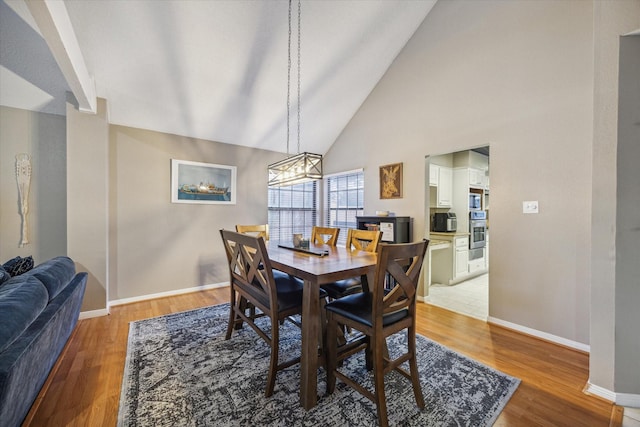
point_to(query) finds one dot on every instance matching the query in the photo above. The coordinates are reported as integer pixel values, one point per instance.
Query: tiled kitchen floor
(470, 297)
(631, 417)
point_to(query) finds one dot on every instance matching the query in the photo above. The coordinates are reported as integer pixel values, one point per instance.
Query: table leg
(309, 356)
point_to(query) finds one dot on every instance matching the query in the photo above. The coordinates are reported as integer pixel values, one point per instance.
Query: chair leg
(331, 348)
(243, 305)
(232, 314)
(413, 368)
(368, 354)
(378, 374)
(273, 365)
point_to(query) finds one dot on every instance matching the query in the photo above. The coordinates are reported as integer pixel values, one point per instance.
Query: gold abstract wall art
(391, 181)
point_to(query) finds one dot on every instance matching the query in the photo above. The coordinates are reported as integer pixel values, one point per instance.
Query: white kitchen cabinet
(434, 170)
(445, 187)
(461, 259)
(477, 265)
(486, 252)
(450, 265)
(476, 178)
(441, 177)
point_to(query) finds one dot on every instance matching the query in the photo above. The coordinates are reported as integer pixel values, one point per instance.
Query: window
(345, 201)
(292, 209)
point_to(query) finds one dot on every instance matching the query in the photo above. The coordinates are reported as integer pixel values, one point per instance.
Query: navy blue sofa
(38, 312)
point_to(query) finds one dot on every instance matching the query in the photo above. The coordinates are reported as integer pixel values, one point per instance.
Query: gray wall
(87, 200)
(537, 81)
(611, 19)
(517, 76)
(43, 137)
(627, 377)
(122, 227)
(158, 246)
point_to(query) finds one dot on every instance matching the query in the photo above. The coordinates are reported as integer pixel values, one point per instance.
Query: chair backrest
(399, 264)
(250, 267)
(258, 230)
(363, 240)
(324, 235)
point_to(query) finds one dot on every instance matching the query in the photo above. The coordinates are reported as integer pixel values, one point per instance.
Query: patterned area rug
(180, 371)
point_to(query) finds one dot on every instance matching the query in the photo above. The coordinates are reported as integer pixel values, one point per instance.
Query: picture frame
(391, 181)
(202, 183)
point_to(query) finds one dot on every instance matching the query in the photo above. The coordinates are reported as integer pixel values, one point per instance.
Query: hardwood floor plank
(84, 386)
(617, 413)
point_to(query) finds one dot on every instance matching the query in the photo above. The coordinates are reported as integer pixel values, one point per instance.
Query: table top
(340, 263)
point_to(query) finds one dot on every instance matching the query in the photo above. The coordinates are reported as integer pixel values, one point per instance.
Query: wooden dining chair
(253, 282)
(364, 240)
(379, 314)
(324, 235)
(258, 230)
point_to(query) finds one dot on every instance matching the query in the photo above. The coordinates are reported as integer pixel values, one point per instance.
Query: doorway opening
(457, 213)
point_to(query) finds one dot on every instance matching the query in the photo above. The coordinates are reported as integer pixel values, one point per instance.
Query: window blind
(292, 209)
(345, 201)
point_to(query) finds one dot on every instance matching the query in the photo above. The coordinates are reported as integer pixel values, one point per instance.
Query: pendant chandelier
(302, 167)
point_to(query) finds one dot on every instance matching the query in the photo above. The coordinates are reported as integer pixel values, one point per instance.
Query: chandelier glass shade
(302, 167)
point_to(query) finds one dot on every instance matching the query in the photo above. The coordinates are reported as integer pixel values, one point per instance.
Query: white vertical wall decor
(23, 177)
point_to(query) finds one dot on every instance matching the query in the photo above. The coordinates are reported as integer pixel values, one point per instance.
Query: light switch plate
(530, 206)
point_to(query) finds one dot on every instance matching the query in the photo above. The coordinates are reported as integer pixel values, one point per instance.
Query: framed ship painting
(204, 183)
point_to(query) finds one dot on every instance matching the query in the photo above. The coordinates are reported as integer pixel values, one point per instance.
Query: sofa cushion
(21, 301)
(55, 274)
(17, 266)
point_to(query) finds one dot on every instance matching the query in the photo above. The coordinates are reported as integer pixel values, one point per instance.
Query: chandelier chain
(302, 167)
(289, 79)
(299, 67)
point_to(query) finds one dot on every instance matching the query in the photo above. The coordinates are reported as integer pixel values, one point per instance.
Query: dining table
(316, 265)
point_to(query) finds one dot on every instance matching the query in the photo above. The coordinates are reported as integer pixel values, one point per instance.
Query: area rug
(180, 371)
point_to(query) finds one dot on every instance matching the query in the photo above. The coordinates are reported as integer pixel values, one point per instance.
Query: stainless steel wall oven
(477, 229)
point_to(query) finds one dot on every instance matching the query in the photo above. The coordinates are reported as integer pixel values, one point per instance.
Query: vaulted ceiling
(211, 69)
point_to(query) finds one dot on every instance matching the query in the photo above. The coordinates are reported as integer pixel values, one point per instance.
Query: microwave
(444, 222)
(475, 202)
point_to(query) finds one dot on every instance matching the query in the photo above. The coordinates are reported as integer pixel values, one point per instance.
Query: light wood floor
(84, 386)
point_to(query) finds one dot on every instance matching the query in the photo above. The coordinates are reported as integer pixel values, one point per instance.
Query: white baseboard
(539, 334)
(105, 311)
(94, 313)
(600, 392)
(168, 294)
(620, 399)
(523, 329)
(627, 399)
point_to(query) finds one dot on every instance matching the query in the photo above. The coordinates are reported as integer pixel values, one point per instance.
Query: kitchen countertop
(450, 234)
(439, 244)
